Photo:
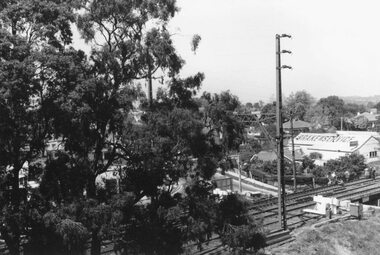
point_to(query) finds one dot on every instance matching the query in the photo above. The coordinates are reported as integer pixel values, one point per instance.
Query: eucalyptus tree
(30, 31)
(129, 42)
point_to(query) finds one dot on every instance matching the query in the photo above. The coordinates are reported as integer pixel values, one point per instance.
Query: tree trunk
(91, 187)
(95, 243)
(12, 241)
(11, 232)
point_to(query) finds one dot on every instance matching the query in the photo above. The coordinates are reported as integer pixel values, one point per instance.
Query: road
(235, 184)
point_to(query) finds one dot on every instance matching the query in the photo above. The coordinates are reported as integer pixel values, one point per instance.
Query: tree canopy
(87, 102)
(297, 104)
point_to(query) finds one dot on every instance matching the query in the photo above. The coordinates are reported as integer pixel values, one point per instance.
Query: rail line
(353, 191)
(261, 204)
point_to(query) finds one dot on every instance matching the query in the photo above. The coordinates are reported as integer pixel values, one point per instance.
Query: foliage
(327, 111)
(349, 237)
(195, 42)
(315, 155)
(352, 109)
(297, 104)
(360, 123)
(73, 234)
(258, 105)
(308, 163)
(50, 90)
(94, 108)
(163, 226)
(268, 113)
(354, 164)
(54, 233)
(319, 171)
(62, 179)
(220, 120)
(31, 32)
(248, 149)
(236, 228)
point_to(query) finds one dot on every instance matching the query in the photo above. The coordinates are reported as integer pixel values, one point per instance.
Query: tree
(125, 43)
(123, 51)
(377, 106)
(354, 164)
(308, 163)
(249, 105)
(327, 111)
(53, 232)
(51, 90)
(258, 105)
(63, 180)
(352, 109)
(268, 113)
(236, 228)
(360, 123)
(30, 31)
(220, 120)
(298, 104)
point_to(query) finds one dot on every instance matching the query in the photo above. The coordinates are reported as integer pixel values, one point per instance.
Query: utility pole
(237, 159)
(239, 167)
(293, 153)
(150, 89)
(280, 135)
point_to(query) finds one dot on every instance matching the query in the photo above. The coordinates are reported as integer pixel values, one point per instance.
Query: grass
(349, 237)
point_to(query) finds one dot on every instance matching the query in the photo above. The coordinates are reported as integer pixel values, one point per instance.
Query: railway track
(354, 191)
(261, 204)
(295, 202)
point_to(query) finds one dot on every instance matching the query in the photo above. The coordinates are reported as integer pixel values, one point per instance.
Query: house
(52, 146)
(270, 155)
(367, 120)
(298, 126)
(339, 144)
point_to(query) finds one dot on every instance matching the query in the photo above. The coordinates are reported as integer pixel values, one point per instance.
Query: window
(373, 154)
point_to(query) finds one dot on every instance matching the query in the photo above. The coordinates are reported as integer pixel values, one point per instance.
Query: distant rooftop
(370, 116)
(344, 141)
(297, 124)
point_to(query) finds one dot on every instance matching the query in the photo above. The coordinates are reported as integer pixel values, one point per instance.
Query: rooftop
(297, 124)
(345, 141)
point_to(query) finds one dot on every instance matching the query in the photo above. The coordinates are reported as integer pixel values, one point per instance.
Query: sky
(335, 46)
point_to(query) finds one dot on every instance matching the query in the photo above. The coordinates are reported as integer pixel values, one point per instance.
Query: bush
(236, 228)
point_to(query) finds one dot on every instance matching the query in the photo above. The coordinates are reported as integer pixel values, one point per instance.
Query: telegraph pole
(237, 159)
(293, 153)
(280, 135)
(149, 77)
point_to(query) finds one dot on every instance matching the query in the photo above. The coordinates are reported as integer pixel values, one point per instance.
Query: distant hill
(362, 100)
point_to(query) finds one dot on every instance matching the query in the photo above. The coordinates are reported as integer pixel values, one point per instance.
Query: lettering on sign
(324, 138)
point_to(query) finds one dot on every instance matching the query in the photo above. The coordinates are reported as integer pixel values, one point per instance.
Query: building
(298, 126)
(339, 144)
(367, 120)
(270, 155)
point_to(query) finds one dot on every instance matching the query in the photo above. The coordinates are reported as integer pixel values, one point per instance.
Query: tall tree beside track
(30, 31)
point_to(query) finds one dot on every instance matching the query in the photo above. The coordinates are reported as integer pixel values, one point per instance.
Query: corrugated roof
(345, 142)
(370, 116)
(271, 155)
(297, 124)
(298, 155)
(267, 155)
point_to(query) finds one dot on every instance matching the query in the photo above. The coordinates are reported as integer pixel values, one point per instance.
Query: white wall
(371, 145)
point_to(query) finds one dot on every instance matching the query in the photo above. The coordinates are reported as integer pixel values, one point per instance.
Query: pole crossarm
(247, 119)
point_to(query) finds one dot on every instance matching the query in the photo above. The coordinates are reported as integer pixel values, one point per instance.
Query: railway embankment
(345, 237)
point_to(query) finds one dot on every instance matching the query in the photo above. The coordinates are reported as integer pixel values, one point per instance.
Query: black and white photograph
(189, 127)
